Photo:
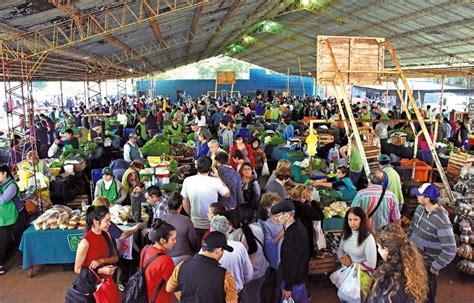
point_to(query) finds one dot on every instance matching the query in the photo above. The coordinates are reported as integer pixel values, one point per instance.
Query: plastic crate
(299, 176)
(422, 169)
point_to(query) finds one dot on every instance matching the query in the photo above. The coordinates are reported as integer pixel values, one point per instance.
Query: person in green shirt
(175, 130)
(341, 184)
(274, 114)
(391, 178)
(69, 125)
(141, 130)
(110, 188)
(356, 164)
(13, 215)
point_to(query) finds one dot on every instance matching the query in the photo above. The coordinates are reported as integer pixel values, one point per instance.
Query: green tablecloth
(53, 246)
(333, 224)
(57, 246)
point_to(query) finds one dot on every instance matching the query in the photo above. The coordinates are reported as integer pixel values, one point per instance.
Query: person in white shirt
(237, 262)
(131, 151)
(200, 191)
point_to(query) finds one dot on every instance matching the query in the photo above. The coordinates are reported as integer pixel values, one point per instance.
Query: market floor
(51, 282)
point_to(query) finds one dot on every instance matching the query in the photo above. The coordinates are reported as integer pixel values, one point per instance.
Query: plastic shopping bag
(350, 288)
(365, 281)
(338, 277)
(265, 170)
(320, 240)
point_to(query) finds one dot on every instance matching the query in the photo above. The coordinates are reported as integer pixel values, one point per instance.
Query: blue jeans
(298, 292)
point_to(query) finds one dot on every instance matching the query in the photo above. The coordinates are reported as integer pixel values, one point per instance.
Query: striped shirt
(433, 235)
(387, 212)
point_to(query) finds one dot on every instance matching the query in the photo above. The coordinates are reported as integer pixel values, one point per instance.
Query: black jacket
(294, 255)
(307, 214)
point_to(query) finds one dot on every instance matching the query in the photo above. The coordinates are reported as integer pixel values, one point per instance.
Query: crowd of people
(227, 236)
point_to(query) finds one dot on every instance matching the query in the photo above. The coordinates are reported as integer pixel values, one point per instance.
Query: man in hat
(391, 179)
(202, 279)
(238, 261)
(131, 177)
(131, 151)
(432, 233)
(110, 188)
(294, 270)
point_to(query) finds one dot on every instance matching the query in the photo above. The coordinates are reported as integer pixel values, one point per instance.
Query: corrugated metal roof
(424, 33)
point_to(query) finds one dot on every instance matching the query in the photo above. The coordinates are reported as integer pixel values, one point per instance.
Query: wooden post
(420, 120)
(338, 79)
(412, 125)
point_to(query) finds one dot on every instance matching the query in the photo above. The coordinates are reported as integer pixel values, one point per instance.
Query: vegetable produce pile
(180, 149)
(407, 132)
(338, 209)
(328, 196)
(157, 146)
(87, 150)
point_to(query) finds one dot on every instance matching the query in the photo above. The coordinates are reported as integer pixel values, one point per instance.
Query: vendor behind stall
(131, 151)
(110, 188)
(34, 163)
(131, 178)
(13, 215)
(141, 131)
(342, 184)
(356, 163)
(68, 142)
(69, 125)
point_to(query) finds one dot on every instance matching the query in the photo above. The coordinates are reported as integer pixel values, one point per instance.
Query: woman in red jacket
(163, 237)
(246, 151)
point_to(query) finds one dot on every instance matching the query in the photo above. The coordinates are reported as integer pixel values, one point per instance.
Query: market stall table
(282, 153)
(333, 224)
(57, 246)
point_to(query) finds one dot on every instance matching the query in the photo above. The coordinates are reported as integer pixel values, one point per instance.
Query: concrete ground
(50, 283)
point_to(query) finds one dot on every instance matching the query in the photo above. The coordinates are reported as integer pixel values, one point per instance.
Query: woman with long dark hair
(402, 276)
(251, 234)
(357, 243)
(96, 252)
(161, 266)
(250, 187)
(13, 215)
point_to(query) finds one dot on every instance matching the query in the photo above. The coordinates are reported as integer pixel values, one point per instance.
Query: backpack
(136, 290)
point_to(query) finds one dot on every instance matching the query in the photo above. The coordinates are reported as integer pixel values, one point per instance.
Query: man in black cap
(201, 279)
(294, 270)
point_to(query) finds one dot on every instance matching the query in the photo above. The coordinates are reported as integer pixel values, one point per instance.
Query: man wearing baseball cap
(294, 255)
(202, 279)
(391, 178)
(131, 151)
(110, 188)
(432, 233)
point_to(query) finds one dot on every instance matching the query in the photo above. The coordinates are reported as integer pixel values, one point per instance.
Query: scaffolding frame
(20, 111)
(121, 88)
(398, 76)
